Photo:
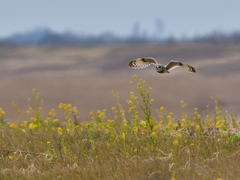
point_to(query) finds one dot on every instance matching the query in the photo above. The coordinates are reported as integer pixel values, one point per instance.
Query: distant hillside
(30, 37)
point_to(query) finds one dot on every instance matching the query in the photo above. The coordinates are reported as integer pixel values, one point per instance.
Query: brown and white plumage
(141, 63)
(174, 64)
(145, 62)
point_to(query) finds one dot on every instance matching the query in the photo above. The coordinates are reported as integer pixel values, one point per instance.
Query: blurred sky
(180, 17)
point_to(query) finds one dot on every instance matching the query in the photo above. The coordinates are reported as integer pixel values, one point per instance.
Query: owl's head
(160, 69)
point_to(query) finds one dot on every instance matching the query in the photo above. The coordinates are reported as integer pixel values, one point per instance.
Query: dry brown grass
(86, 76)
(120, 143)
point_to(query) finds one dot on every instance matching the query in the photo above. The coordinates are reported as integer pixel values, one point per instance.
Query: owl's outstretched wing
(141, 63)
(174, 64)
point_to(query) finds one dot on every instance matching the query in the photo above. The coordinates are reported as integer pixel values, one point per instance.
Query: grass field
(86, 76)
(127, 141)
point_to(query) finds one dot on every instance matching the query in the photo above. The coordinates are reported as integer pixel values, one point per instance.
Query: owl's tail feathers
(189, 68)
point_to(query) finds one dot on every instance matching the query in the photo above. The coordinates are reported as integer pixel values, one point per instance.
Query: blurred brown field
(88, 76)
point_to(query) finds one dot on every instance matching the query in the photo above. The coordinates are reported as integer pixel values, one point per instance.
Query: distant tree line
(49, 37)
(218, 37)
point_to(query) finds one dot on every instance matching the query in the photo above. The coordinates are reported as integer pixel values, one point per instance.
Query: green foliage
(119, 143)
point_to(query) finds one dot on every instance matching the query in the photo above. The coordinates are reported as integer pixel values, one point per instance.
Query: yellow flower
(135, 129)
(123, 135)
(55, 121)
(52, 113)
(121, 111)
(2, 112)
(142, 123)
(198, 116)
(133, 96)
(139, 88)
(219, 123)
(153, 134)
(178, 134)
(13, 125)
(125, 122)
(60, 131)
(33, 119)
(10, 157)
(170, 122)
(86, 124)
(46, 121)
(197, 127)
(136, 116)
(162, 108)
(151, 100)
(156, 126)
(176, 142)
(33, 126)
(129, 102)
(24, 123)
(110, 121)
(74, 109)
(62, 106)
(132, 93)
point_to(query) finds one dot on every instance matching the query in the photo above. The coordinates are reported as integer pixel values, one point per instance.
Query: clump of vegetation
(120, 143)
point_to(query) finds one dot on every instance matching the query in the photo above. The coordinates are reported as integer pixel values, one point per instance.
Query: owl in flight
(145, 62)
